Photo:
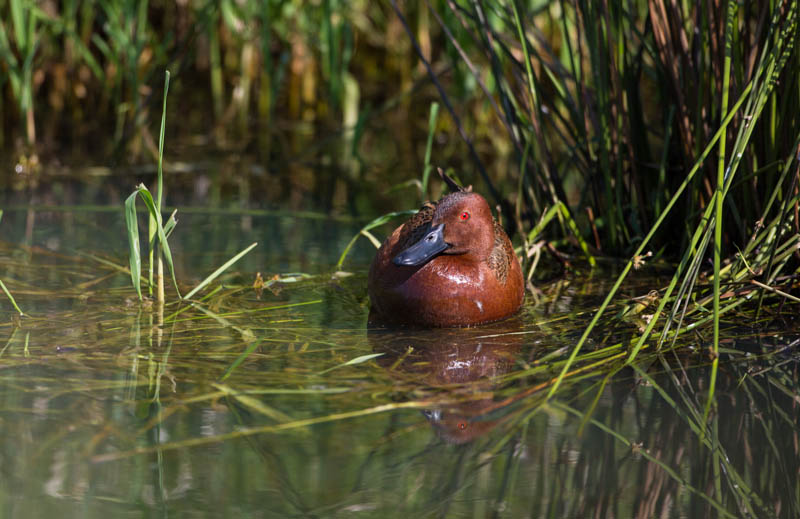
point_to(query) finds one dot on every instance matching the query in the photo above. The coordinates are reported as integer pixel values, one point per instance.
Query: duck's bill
(429, 246)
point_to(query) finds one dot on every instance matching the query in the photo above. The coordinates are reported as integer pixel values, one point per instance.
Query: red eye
(465, 215)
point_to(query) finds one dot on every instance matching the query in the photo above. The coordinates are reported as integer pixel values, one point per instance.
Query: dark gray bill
(429, 246)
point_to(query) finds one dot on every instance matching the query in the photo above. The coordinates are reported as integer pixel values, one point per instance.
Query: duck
(449, 265)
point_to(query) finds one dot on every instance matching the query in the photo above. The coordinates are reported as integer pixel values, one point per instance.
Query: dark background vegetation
(325, 97)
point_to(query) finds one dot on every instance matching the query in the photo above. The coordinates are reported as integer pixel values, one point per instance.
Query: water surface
(111, 408)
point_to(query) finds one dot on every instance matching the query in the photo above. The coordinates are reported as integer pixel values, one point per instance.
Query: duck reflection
(464, 362)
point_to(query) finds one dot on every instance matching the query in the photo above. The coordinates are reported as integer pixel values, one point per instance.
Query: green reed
(428, 167)
(156, 226)
(158, 230)
(718, 215)
(124, 43)
(623, 104)
(18, 46)
(126, 38)
(10, 298)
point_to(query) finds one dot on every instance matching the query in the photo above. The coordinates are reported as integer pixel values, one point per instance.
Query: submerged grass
(10, 298)
(298, 377)
(3, 286)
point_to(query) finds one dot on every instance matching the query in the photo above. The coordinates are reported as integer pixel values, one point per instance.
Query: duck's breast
(444, 292)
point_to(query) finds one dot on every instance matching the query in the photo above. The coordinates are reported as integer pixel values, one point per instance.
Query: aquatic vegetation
(3, 286)
(156, 227)
(238, 382)
(19, 42)
(664, 133)
(159, 230)
(250, 56)
(10, 297)
(602, 93)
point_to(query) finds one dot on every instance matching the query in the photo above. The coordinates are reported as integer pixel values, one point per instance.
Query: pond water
(243, 404)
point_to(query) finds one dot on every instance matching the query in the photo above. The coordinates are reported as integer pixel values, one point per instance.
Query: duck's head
(461, 225)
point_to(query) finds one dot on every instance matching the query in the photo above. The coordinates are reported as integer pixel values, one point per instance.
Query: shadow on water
(109, 407)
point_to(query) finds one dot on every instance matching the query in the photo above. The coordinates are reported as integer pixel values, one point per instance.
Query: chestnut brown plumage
(451, 264)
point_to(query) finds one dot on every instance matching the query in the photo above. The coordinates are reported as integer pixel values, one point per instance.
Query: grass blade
(352, 362)
(426, 172)
(159, 191)
(10, 297)
(132, 225)
(144, 193)
(254, 404)
(241, 358)
(729, 22)
(371, 225)
(219, 271)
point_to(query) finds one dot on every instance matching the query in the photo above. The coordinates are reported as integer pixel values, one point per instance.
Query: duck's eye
(465, 215)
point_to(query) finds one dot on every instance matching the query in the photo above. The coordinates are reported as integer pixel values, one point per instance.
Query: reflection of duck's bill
(429, 246)
(456, 428)
(433, 415)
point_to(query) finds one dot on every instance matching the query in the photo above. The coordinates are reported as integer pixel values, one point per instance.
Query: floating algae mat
(278, 401)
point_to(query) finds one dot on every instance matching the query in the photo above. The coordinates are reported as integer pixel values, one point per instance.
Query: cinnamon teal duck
(451, 264)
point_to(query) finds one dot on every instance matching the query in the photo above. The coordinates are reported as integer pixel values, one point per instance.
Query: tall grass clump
(158, 230)
(663, 128)
(245, 58)
(18, 44)
(649, 113)
(611, 106)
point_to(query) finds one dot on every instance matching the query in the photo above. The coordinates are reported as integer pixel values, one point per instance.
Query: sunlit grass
(160, 231)
(593, 110)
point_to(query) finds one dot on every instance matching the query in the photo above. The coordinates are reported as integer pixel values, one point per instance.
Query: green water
(113, 409)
